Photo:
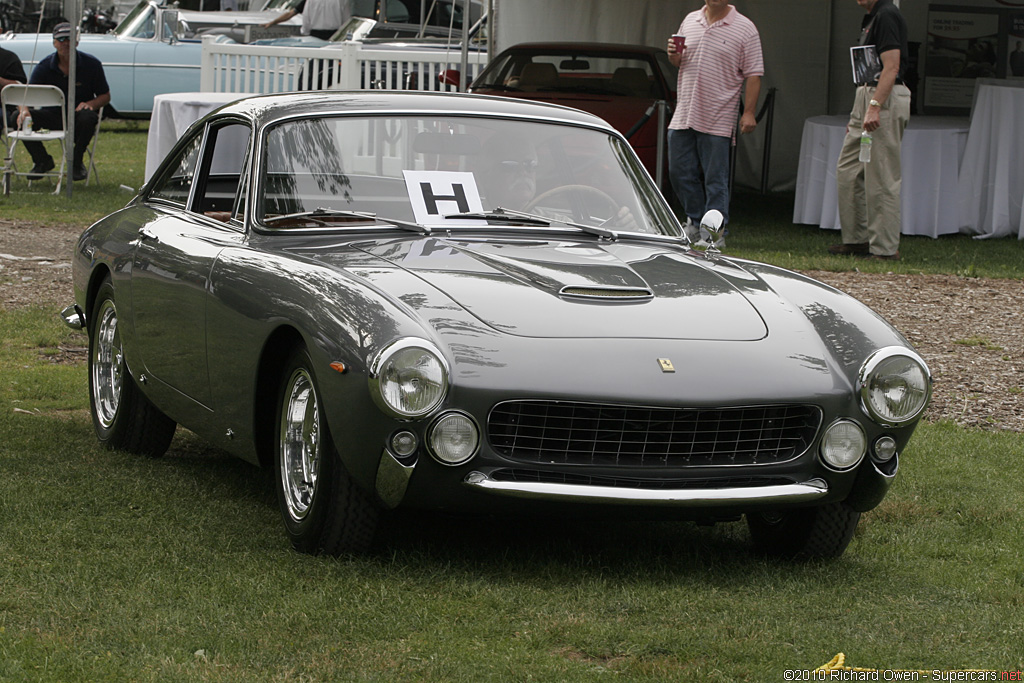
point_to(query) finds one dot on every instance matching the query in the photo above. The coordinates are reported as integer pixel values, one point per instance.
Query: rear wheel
(818, 532)
(124, 419)
(324, 511)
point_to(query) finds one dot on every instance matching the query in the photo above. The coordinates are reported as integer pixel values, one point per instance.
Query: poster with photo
(866, 64)
(962, 46)
(1015, 46)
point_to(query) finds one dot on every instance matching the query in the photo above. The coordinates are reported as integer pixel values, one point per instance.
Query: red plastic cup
(680, 42)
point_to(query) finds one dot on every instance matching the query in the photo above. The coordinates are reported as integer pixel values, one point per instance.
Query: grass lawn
(120, 568)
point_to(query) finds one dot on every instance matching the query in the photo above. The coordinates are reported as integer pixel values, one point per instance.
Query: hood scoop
(589, 292)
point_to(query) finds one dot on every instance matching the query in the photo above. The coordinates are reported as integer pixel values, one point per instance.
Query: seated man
(91, 94)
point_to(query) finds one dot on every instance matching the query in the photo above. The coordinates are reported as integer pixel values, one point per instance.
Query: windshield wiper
(510, 215)
(502, 216)
(590, 229)
(320, 213)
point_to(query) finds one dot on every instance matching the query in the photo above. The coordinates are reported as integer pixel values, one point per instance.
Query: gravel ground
(967, 329)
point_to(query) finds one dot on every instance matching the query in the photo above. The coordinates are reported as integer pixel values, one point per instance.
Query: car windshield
(454, 172)
(576, 70)
(140, 22)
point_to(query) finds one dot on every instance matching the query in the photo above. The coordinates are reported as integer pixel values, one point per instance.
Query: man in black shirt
(11, 70)
(91, 95)
(869, 192)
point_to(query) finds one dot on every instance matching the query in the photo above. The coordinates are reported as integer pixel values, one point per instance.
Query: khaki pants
(869, 193)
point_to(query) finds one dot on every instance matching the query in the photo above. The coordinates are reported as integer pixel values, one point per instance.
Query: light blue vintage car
(154, 50)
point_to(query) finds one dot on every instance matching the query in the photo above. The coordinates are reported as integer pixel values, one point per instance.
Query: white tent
(806, 48)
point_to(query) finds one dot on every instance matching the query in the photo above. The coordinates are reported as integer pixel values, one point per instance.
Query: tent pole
(828, 57)
(464, 64)
(69, 104)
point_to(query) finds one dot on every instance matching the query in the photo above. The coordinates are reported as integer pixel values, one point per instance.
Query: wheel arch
(268, 379)
(96, 278)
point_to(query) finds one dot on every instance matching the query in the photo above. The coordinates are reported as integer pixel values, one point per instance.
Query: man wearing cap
(91, 94)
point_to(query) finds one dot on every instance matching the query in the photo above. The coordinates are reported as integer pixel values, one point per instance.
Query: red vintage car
(619, 83)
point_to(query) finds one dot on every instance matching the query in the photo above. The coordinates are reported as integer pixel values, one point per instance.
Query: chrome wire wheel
(107, 365)
(300, 446)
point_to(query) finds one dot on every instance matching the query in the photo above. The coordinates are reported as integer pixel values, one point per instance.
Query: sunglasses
(511, 165)
(62, 40)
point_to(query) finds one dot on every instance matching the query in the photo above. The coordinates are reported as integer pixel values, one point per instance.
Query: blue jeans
(688, 153)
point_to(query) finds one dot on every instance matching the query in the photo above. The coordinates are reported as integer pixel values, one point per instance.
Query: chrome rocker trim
(784, 493)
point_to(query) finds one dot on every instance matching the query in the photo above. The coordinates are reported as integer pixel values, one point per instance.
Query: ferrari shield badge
(666, 365)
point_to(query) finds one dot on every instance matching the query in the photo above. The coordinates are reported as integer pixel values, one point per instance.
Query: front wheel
(819, 532)
(124, 419)
(324, 511)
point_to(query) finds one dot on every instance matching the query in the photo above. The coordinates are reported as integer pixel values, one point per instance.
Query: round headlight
(843, 445)
(408, 378)
(453, 438)
(895, 386)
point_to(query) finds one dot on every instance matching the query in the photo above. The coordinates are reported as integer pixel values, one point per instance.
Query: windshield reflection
(454, 172)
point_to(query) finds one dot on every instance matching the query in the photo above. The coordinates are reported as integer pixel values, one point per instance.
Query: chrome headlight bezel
(380, 367)
(875, 365)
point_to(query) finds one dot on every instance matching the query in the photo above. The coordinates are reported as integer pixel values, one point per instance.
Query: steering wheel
(612, 205)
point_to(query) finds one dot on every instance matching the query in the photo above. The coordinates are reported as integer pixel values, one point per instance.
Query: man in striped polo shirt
(722, 50)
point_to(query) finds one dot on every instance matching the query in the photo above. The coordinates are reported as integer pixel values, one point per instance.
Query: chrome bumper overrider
(785, 493)
(73, 317)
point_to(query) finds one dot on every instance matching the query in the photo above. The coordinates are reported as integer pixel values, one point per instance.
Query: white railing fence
(264, 69)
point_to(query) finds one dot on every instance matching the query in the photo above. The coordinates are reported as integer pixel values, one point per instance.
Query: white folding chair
(32, 96)
(91, 150)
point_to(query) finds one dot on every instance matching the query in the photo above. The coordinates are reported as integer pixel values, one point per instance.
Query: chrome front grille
(568, 433)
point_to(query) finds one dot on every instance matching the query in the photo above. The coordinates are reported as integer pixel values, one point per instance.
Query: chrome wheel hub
(300, 445)
(107, 365)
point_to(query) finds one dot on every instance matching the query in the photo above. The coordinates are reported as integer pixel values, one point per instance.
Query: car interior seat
(632, 81)
(535, 76)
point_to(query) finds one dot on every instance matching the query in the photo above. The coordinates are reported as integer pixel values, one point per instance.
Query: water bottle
(865, 146)
(26, 123)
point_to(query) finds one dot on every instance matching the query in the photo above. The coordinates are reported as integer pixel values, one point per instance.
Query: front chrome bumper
(804, 492)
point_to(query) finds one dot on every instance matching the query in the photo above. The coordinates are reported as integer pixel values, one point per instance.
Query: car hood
(566, 289)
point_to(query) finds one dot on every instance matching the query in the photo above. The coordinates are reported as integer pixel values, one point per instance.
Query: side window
(176, 182)
(226, 149)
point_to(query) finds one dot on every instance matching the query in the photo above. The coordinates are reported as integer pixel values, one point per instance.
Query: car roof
(559, 47)
(266, 109)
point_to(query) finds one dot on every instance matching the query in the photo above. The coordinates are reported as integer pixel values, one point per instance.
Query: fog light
(453, 438)
(843, 445)
(885, 448)
(404, 443)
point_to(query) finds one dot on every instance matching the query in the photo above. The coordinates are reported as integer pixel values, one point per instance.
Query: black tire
(123, 417)
(323, 509)
(818, 532)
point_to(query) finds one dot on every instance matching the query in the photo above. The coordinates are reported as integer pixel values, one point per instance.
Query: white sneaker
(691, 230)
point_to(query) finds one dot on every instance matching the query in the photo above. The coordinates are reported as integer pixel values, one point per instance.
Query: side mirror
(714, 223)
(450, 77)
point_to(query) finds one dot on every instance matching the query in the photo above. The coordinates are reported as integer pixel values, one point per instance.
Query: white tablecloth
(173, 113)
(931, 152)
(991, 189)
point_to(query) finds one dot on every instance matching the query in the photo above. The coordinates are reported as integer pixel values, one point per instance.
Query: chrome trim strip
(785, 493)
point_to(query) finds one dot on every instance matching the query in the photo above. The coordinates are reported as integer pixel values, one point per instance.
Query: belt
(874, 84)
